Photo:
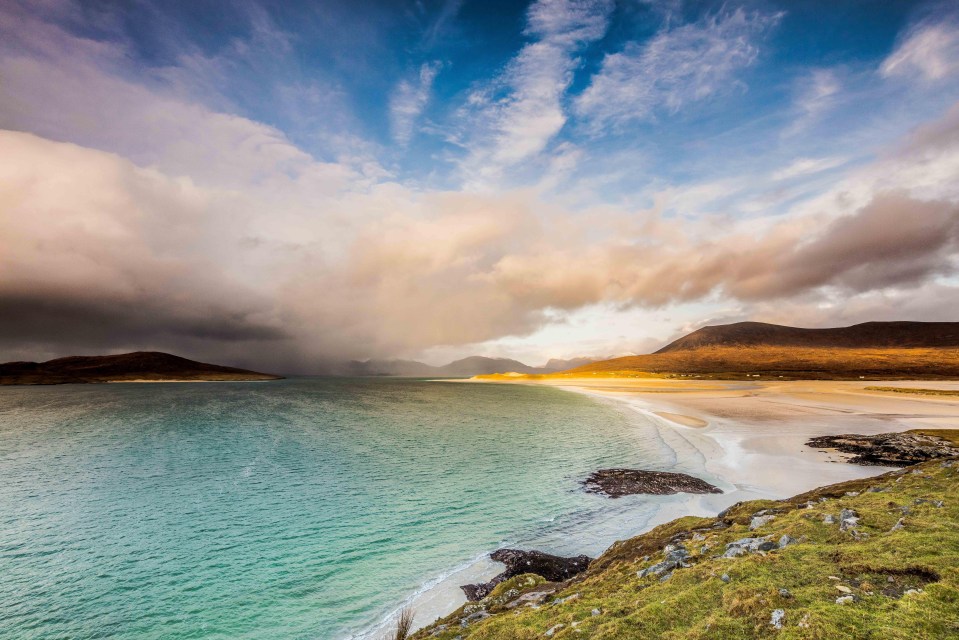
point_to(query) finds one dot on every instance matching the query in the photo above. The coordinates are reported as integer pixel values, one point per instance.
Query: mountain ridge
(870, 350)
(868, 335)
(464, 367)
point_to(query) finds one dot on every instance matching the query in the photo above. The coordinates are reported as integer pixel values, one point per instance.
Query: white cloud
(202, 223)
(929, 50)
(816, 93)
(807, 166)
(408, 101)
(514, 118)
(676, 67)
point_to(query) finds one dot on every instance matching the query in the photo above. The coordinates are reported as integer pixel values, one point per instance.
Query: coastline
(748, 438)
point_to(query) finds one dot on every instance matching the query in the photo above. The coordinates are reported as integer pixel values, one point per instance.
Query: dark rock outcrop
(624, 482)
(888, 449)
(553, 568)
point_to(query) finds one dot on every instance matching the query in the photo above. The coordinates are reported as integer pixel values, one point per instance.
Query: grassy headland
(870, 558)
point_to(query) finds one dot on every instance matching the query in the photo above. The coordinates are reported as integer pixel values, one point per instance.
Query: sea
(305, 508)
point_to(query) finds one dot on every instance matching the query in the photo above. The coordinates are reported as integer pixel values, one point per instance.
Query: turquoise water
(302, 508)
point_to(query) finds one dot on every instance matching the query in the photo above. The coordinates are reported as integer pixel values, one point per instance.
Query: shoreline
(748, 438)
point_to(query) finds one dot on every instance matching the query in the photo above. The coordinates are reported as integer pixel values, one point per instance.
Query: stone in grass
(777, 617)
(749, 545)
(473, 617)
(829, 519)
(848, 519)
(554, 629)
(786, 540)
(674, 557)
(845, 599)
(785, 593)
(725, 577)
(760, 521)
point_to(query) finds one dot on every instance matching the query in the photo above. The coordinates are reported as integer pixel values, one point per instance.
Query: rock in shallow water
(553, 568)
(888, 449)
(616, 483)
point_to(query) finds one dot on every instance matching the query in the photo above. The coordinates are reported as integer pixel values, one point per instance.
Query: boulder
(552, 568)
(888, 449)
(616, 483)
(674, 556)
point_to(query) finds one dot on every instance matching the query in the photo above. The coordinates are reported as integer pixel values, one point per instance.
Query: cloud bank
(134, 215)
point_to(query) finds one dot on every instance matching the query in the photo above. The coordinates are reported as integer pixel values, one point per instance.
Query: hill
(141, 365)
(870, 558)
(873, 350)
(481, 364)
(868, 335)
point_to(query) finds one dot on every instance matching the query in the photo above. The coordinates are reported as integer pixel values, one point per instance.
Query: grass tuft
(404, 625)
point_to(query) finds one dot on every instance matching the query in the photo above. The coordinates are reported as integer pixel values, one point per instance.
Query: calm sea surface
(302, 508)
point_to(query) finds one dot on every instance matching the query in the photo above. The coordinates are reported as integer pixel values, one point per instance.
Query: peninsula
(140, 366)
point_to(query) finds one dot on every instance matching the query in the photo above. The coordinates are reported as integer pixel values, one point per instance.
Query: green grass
(951, 435)
(918, 392)
(695, 603)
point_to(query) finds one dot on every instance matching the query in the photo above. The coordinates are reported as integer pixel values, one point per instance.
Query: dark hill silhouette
(868, 335)
(140, 365)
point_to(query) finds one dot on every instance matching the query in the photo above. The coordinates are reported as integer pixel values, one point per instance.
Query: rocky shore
(616, 483)
(550, 567)
(887, 449)
(849, 560)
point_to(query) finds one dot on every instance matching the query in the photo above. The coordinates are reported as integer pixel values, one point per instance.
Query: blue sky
(288, 184)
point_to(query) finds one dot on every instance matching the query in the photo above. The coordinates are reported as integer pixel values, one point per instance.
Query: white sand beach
(752, 434)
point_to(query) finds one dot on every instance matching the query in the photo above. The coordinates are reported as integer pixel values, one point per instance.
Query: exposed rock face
(616, 483)
(888, 449)
(553, 568)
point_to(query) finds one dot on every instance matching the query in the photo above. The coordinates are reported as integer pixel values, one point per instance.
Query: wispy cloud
(930, 50)
(409, 99)
(677, 67)
(514, 118)
(815, 94)
(807, 166)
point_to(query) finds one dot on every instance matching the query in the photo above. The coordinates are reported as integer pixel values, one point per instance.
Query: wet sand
(752, 434)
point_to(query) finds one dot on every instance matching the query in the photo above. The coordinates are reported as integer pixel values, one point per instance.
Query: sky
(288, 185)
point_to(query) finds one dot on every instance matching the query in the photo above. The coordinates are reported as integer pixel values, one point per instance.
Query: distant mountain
(463, 368)
(142, 365)
(870, 350)
(868, 335)
(555, 364)
(408, 368)
(482, 365)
